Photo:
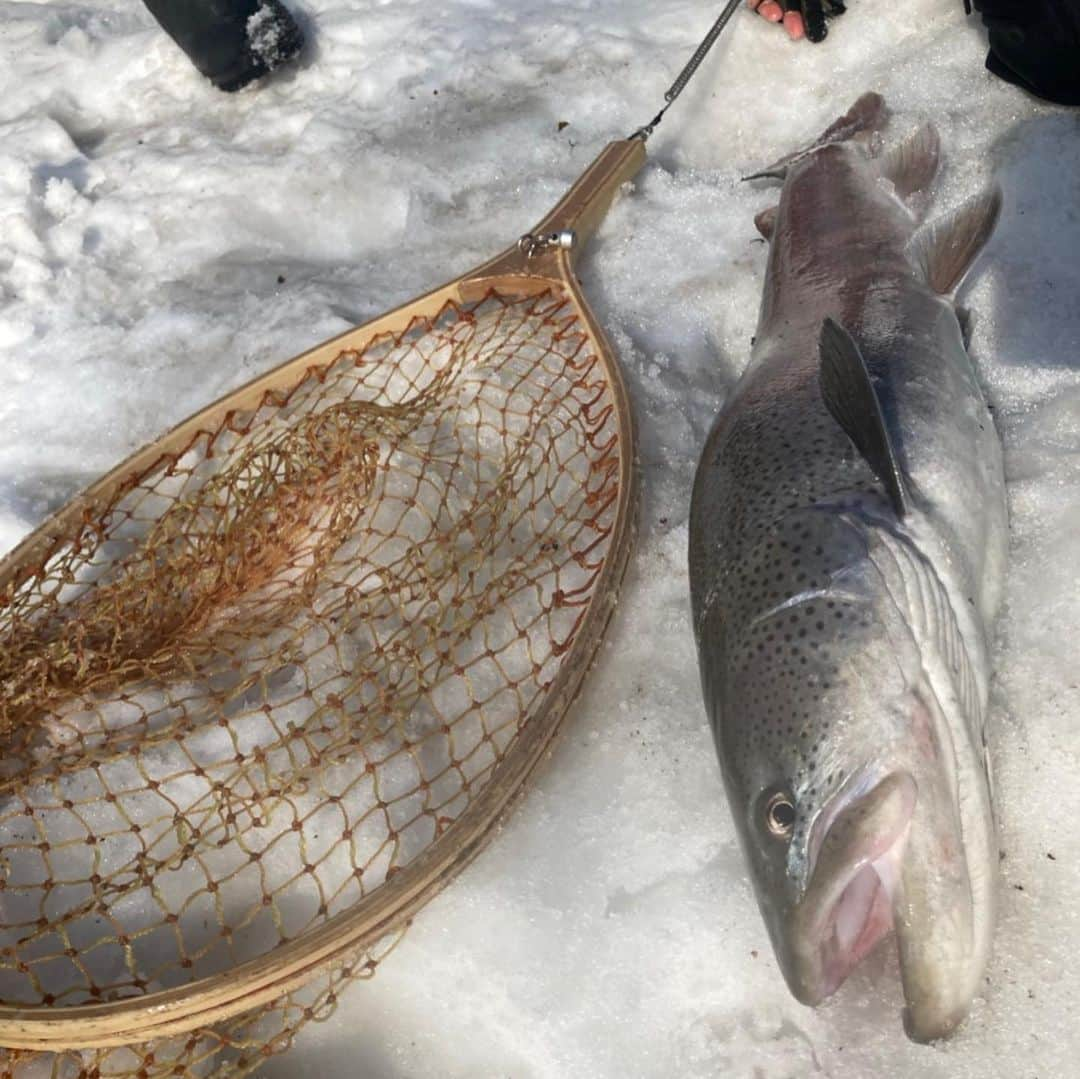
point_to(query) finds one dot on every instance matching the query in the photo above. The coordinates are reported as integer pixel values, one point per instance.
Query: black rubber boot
(1035, 44)
(230, 41)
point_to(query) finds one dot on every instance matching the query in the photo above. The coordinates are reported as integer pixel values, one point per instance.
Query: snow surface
(161, 242)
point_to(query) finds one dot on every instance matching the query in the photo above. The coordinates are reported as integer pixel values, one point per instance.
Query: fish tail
(868, 115)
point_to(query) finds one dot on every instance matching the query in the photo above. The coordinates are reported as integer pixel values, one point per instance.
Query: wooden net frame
(268, 685)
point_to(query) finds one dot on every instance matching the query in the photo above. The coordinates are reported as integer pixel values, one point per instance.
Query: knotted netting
(230, 1049)
(249, 681)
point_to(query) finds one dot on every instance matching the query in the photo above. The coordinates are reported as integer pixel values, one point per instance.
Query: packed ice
(162, 242)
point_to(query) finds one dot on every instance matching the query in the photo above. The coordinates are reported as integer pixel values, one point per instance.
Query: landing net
(247, 684)
(237, 1047)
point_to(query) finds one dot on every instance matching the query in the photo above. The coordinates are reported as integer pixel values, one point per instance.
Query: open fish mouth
(847, 908)
(860, 918)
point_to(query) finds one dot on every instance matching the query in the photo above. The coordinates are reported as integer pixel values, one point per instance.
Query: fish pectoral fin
(765, 222)
(850, 396)
(867, 115)
(913, 164)
(944, 250)
(966, 317)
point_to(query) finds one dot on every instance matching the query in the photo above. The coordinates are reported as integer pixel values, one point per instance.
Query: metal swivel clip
(531, 246)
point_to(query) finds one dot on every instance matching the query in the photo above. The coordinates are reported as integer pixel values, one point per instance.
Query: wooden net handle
(579, 213)
(584, 206)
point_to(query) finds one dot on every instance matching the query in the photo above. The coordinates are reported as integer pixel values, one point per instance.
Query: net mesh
(226, 1050)
(254, 679)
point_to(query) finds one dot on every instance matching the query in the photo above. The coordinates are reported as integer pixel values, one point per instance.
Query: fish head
(839, 788)
(819, 783)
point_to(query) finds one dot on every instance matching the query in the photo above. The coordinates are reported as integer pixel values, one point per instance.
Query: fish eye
(780, 815)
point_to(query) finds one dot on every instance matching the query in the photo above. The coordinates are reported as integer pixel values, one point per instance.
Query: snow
(161, 242)
(268, 32)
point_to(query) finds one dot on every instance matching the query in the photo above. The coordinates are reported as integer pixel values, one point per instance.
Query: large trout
(847, 547)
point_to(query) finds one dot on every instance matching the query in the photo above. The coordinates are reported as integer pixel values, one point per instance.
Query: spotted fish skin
(844, 574)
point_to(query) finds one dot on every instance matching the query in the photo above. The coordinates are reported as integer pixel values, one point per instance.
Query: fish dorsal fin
(913, 164)
(944, 250)
(850, 397)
